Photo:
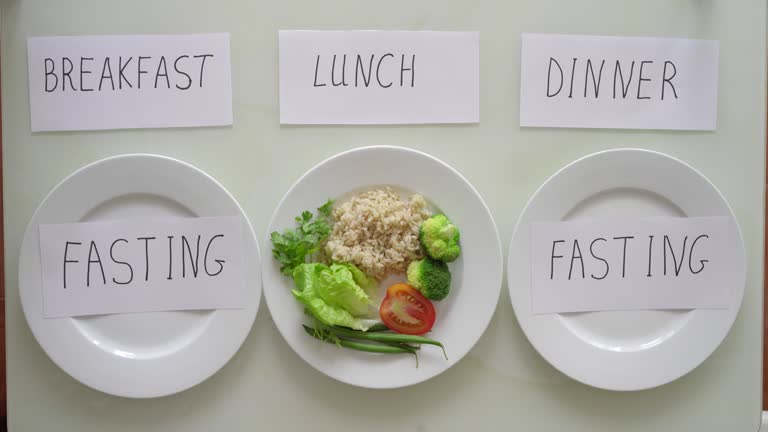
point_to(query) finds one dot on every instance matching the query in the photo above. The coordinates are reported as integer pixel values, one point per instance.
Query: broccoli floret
(440, 238)
(431, 277)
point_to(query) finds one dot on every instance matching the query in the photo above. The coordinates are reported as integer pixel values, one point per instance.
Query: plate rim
(249, 235)
(525, 322)
(497, 246)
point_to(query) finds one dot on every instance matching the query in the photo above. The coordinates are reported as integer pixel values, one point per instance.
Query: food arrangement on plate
(340, 257)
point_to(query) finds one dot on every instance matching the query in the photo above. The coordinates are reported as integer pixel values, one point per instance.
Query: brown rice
(378, 232)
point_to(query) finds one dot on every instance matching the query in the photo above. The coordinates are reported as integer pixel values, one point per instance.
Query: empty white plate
(622, 350)
(462, 317)
(137, 354)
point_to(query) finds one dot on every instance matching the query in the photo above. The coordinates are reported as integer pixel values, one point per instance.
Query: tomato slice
(405, 310)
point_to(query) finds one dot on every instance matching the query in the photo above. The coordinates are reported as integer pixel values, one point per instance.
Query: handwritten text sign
(126, 266)
(379, 77)
(658, 263)
(117, 82)
(618, 82)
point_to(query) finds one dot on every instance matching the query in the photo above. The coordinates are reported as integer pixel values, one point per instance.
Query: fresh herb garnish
(293, 246)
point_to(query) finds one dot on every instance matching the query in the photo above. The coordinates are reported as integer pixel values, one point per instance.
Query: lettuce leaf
(368, 284)
(338, 287)
(331, 294)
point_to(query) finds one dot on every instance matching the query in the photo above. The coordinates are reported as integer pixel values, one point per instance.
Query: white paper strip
(132, 81)
(659, 263)
(129, 266)
(379, 77)
(618, 82)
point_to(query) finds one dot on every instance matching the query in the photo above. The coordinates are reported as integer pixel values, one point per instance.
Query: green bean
(412, 349)
(378, 327)
(394, 344)
(383, 349)
(406, 346)
(385, 337)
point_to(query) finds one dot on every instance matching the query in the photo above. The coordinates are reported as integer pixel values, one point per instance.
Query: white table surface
(503, 384)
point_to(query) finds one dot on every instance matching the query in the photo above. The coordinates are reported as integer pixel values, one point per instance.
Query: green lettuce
(332, 294)
(339, 286)
(368, 284)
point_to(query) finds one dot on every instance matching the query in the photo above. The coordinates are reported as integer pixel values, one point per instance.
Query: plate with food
(386, 267)
(623, 349)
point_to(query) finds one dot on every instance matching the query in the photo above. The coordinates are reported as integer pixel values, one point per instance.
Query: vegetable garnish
(378, 327)
(331, 294)
(431, 277)
(406, 310)
(293, 246)
(327, 336)
(440, 238)
(386, 337)
(386, 343)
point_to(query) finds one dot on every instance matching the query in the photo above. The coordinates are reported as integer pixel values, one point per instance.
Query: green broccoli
(431, 277)
(440, 238)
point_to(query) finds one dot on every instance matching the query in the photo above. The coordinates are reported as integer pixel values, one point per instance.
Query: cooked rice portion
(378, 232)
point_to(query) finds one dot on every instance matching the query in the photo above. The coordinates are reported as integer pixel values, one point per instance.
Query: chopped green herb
(293, 246)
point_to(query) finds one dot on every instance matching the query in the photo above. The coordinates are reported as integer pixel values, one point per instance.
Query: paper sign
(618, 82)
(379, 77)
(659, 263)
(128, 266)
(116, 82)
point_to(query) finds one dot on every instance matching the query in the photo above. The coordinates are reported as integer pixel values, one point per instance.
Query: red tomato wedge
(405, 310)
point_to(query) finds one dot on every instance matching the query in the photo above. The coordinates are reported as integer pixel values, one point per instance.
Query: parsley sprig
(293, 246)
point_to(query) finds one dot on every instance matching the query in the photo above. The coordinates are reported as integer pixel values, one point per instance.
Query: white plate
(141, 354)
(621, 350)
(461, 318)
